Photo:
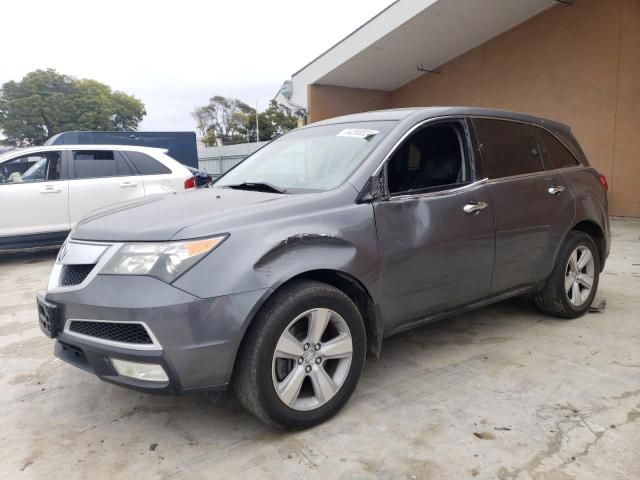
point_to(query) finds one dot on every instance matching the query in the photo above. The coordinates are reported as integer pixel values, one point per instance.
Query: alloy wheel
(312, 359)
(579, 275)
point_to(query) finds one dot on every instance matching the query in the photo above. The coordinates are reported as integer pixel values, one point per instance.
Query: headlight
(165, 260)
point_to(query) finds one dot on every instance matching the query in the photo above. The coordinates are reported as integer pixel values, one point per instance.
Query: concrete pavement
(504, 392)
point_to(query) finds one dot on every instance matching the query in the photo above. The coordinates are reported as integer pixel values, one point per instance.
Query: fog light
(149, 372)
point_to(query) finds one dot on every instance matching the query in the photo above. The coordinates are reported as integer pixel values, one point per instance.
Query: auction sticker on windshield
(357, 133)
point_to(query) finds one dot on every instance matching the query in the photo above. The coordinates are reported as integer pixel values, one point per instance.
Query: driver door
(435, 227)
(34, 194)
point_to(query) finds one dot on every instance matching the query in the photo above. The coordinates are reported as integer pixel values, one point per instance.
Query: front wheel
(303, 357)
(572, 285)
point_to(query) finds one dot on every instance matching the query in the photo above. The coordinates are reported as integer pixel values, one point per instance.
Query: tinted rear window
(555, 153)
(507, 148)
(147, 165)
(94, 164)
(100, 164)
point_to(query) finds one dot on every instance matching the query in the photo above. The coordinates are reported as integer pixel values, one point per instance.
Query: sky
(175, 55)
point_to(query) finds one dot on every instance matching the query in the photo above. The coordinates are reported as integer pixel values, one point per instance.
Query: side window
(94, 164)
(507, 148)
(31, 168)
(432, 159)
(146, 165)
(555, 153)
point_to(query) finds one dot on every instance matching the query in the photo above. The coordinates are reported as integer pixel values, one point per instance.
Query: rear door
(100, 178)
(532, 207)
(34, 194)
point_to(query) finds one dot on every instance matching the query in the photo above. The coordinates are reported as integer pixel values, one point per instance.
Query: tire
(556, 297)
(261, 375)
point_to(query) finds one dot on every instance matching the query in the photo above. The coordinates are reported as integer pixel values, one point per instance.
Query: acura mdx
(278, 281)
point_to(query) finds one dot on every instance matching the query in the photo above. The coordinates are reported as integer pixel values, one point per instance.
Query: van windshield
(310, 159)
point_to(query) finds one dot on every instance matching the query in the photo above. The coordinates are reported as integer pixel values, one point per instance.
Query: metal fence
(217, 160)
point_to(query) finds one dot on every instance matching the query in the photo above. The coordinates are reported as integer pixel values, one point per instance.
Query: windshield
(310, 159)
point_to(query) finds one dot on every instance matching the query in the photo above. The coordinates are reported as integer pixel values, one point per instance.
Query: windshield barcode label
(357, 133)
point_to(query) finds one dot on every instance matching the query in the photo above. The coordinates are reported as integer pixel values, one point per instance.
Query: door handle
(556, 189)
(50, 189)
(128, 184)
(473, 208)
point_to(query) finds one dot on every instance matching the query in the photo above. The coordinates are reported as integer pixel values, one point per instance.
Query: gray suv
(278, 281)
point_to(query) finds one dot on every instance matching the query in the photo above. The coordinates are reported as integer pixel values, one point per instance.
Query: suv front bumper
(195, 340)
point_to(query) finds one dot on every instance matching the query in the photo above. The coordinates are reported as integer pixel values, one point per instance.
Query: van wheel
(303, 356)
(572, 285)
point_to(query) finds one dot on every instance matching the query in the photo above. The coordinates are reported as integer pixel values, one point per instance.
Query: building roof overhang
(410, 37)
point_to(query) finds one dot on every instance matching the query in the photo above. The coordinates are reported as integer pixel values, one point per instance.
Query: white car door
(100, 178)
(34, 195)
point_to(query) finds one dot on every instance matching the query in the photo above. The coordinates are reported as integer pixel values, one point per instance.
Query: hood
(160, 218)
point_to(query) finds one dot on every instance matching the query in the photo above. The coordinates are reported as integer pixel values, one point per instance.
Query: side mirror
(379, 185)
(376, 188)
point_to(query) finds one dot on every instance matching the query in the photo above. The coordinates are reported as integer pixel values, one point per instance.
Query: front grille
(116, 332)
(74, 274)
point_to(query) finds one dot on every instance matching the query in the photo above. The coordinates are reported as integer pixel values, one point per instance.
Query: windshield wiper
(258, 187)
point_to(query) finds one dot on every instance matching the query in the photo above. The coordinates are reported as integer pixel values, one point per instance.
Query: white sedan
(45, 191)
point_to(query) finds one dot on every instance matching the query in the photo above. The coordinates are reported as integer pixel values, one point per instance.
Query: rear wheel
(572, 285)
(303, 356)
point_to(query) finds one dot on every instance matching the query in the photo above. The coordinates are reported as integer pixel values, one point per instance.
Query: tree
(276, 120)
(226, 121)
(223, 121)
(46, 102)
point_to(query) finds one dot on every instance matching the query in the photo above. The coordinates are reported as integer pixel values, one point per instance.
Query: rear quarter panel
(591, 199)
(166, 183)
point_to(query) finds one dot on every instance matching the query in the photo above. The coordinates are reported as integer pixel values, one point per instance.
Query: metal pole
(257, 124)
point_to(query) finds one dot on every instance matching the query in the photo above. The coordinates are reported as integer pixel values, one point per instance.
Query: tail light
(603, 181)
(190, 183)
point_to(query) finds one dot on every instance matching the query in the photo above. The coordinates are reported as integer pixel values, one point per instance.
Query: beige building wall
(626, 152)
(577, 64)
(326, 101)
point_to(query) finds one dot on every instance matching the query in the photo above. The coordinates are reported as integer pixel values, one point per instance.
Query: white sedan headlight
(163, 260)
